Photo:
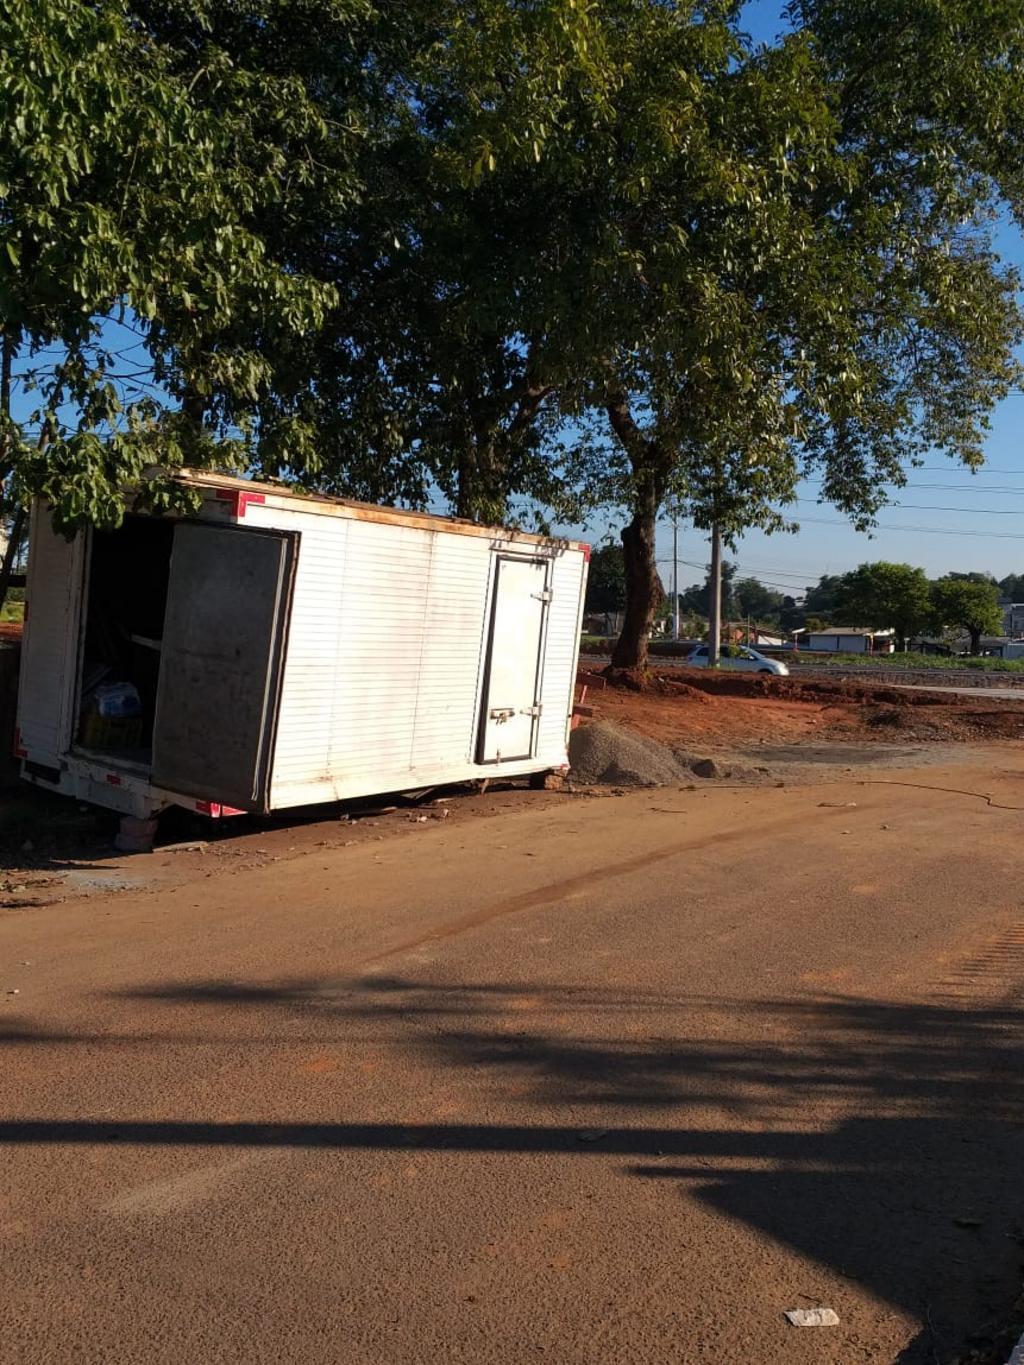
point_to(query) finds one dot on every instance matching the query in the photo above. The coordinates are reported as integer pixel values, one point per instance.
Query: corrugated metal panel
(382, 677)
(49, 652)
(561, 655)
(515, 658)
(311, 690)
(451, 655)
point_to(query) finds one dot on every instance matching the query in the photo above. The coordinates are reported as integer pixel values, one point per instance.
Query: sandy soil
(594, 1081)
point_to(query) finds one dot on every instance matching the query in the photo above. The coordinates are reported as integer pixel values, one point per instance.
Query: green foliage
(537, 255)
(806, 280)
(697, 599)
(969, 605)
(916, 662)
(606, 580)
(885, 597)
(821, 599)
(755, 601)
(151, 148)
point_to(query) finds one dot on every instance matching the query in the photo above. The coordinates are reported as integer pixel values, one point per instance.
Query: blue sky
(985, 531)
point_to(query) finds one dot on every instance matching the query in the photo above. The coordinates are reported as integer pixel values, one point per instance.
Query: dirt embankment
(693, 706)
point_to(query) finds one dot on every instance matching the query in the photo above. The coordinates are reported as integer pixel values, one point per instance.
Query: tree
(606, 580)
(697, 599)
(822, 598)
(959, 603)
(436, 374)
(974, 576)
(153, 149)
(886, 597)
(807, 256)
(757, 602)
(791, 617)
(1012, 587)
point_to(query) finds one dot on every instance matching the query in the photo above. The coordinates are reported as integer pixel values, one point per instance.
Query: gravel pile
(607, 755)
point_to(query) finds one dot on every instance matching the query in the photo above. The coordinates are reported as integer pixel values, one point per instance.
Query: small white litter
(813, 1317)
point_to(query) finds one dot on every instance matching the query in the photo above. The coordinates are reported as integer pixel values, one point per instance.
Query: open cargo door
(49, 650)
(512, 675)
(221, 660)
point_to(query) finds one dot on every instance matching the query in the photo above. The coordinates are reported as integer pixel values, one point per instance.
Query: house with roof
(847, 640)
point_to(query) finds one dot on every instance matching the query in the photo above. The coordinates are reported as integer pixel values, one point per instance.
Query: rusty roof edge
(208, 478)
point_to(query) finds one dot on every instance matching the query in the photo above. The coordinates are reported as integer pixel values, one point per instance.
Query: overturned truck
(280, 649)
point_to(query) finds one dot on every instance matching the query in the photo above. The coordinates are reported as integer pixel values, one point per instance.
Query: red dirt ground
(732, 707)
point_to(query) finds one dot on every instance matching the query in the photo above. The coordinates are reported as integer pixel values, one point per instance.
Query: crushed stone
(603, 754)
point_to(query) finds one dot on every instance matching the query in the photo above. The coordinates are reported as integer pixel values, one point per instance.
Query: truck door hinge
(544, 596)
(532, 710)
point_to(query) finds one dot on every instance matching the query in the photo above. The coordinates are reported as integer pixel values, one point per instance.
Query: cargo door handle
(501, 713)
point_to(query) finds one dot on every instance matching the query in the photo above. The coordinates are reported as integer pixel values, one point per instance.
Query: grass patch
(938, 662)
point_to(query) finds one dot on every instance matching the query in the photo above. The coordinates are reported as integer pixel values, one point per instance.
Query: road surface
(1007, 693)
(597, 1082)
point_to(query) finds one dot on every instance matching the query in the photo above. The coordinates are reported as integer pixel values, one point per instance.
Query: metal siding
(49, 654)
(381, 686)
(514, 667)
(451, 656)
(312, 687)
(226, 599)
(561, 656)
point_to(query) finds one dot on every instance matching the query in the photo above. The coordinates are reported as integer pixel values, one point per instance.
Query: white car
(739, 658)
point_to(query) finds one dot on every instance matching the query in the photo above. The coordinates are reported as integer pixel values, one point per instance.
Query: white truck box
(292, 649)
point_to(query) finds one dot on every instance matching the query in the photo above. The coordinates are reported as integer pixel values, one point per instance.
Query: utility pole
(675, 577)
(715, 599)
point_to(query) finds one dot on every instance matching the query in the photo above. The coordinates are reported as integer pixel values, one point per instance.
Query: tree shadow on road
(884, 1140)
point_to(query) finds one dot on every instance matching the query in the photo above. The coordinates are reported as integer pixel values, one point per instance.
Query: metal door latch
(544, 596)
(501, 713)
(531, 710)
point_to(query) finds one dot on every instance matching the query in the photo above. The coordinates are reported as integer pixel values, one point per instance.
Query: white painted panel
(561, 656)
(382, 677)
(312, 685)
(510, 711)
(49, 652)
(451, 655)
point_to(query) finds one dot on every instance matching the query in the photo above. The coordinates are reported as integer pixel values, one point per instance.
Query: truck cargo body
(286, 650)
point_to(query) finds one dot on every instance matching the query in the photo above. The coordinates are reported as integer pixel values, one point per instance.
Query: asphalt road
(608, 1081)
(1007, 693)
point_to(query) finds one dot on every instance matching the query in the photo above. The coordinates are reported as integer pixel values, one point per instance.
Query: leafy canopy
(885, 596)
(139, 170)
(960, 603)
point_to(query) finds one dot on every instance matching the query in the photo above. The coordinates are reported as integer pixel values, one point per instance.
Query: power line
(933, 507)
(917, 530)
(952, 488)
(957, 469)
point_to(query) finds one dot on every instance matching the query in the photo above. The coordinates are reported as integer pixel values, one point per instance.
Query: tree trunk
(643, 586)
(11, 553)
(975, 640)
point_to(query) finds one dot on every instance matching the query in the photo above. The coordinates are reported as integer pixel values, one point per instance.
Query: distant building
(765, 637)
(1013, 618)
(843, 640)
